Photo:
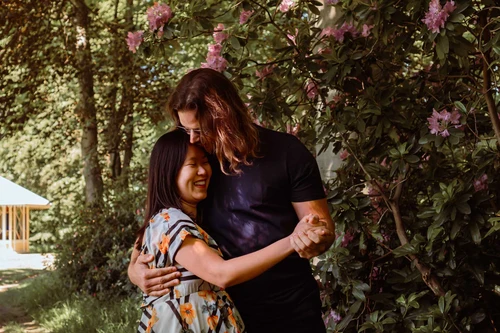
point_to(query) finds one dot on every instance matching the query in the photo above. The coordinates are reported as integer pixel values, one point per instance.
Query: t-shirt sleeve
(303, 173)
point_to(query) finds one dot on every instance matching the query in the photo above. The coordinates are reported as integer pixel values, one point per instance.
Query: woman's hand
(310, 233)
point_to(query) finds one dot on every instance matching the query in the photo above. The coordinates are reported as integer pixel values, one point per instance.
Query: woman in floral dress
(179, 175)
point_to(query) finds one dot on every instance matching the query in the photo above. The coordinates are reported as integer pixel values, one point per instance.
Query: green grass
(13, 328)
(58, 309)
(11, 276)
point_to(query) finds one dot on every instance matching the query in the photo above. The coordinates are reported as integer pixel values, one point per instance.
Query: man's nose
(194, 137)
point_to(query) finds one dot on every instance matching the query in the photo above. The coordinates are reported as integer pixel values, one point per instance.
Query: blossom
(214, 59)
(344, 154)
(285, 5)
(332, 316)
(311, 90)
(440, 122)
(292, 37)
(245, 15)
(134, 39)
(481, 183)
(436, 17)
(187, 313)
(339, 33)
(219, 36)
(347, 238)
(366, 30)
(267, 70)
(157, 16)
(331, 2)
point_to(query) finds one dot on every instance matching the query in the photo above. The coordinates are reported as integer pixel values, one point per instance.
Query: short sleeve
(165, 234)
(303, 173)
(177, 233)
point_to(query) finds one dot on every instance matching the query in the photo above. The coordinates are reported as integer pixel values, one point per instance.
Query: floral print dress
(194, 306)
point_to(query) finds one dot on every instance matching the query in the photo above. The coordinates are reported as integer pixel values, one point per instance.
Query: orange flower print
(212, 322)
(177, 293)
(203, 233)
(165, 216)
(187, 313)
(231, 317)
(165, 242)
(153, 320)
(207, 295)
(183, 234)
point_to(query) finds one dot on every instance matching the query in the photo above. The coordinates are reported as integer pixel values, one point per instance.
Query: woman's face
(194, 176)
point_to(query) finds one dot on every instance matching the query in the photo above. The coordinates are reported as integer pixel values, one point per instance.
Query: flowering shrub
(406, 93)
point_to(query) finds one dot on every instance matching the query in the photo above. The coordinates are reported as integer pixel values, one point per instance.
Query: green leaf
(459, 105)
(404, 250)
(412, 159)
(441, 304)
(463, 207)
(475, 233)
(235, 43)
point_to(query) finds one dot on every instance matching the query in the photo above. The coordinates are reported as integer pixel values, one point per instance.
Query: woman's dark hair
(167, 158)
(226, 127)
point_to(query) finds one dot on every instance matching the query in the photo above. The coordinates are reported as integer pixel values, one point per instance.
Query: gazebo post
(11, 243)
(27, 229)
(4, 226)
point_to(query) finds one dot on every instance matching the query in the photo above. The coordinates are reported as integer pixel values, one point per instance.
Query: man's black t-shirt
(247, 212)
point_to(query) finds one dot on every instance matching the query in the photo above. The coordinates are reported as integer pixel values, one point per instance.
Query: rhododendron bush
(406, 92)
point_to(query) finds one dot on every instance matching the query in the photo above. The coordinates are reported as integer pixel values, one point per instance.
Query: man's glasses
(190, 130)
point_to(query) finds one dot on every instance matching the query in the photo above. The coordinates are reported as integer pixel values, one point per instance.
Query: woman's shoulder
(169, 215)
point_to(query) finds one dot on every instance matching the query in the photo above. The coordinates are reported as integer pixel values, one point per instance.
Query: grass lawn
(55, 308)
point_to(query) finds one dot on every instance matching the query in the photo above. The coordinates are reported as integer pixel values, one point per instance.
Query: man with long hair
(263, 183)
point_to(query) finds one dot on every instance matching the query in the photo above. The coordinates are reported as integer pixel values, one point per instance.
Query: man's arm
(153, 282)
(305, 245)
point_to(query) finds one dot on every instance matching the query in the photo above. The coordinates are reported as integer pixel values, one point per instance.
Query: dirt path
(14, 269)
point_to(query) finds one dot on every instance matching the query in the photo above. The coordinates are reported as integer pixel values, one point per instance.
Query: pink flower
(245, 15)
(285, 5)
(346, 239)
(157, 16)
(332, 316)
(440, 122)
(331, 2)
(215, 59)
(267, 70)
(481, 183)
(366, 30)
(292, 130)
(219, 36)
(292, 37)
(339, 33)
(436, 17)
(134, 39)
(311, 90)
(344, 153)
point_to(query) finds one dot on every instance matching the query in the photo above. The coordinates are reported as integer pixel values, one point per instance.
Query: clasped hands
(311, 237)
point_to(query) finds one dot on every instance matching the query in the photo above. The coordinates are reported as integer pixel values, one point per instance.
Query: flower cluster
(436, 17)
(219, 35)
(134, 39)
(332, 316)
(215, 60)
(266, 71)
(481, 183)
(339, 33)
(344, 154)
(347, 238)
(245, 15)
(440, 122)
(158, 15)
(285, 5)
(331, 2)
(312, 90)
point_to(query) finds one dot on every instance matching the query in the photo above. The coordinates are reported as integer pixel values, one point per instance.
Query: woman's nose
(202, 170)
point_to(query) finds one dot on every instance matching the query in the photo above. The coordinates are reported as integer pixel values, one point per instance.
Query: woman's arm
(197, 257)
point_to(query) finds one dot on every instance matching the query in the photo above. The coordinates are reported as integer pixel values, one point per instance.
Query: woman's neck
(189, 209)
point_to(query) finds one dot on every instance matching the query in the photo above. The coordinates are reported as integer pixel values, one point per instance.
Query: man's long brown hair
(225, 123)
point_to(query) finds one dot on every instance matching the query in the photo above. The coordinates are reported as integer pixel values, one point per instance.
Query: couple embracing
(222, 248)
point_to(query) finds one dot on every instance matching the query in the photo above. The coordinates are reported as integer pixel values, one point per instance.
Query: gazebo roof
(12, 194)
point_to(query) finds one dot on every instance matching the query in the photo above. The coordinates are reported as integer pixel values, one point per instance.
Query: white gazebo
(15, 205)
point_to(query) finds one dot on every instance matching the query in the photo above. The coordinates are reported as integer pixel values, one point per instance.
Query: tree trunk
(86, 109)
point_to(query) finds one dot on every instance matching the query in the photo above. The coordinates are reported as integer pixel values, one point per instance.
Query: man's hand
(311, 237)
(153, 282)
